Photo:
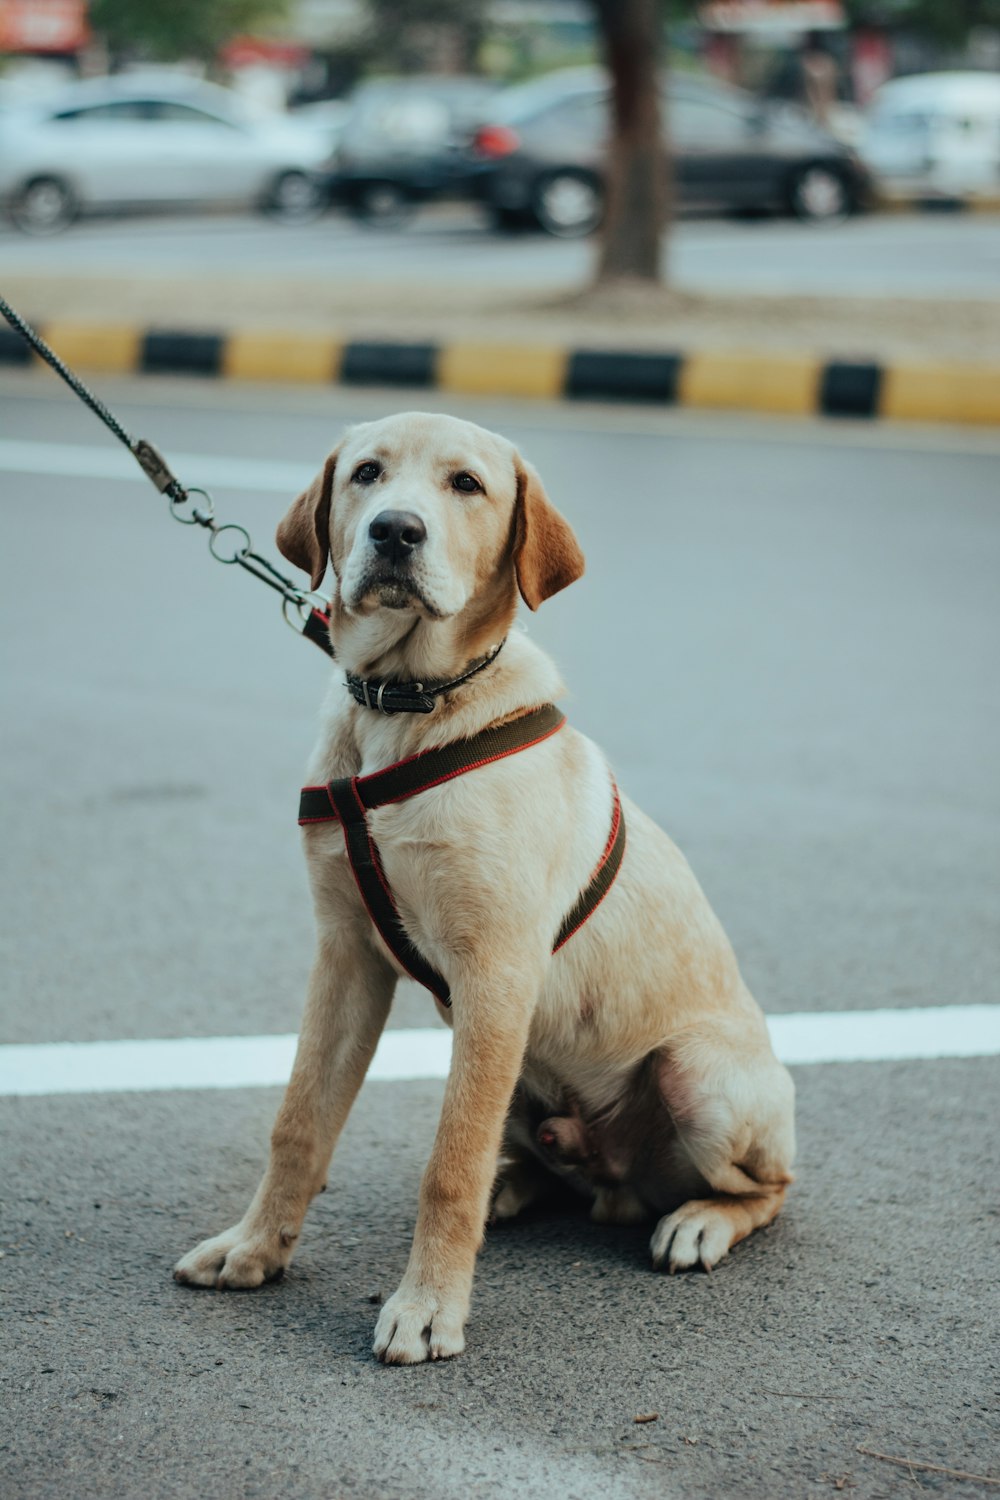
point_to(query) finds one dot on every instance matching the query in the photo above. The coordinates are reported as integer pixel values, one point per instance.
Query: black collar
(388, 697)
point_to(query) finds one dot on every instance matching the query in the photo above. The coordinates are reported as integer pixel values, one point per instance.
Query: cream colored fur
(640, 1030)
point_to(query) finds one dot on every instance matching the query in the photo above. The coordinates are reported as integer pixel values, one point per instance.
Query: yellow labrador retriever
(632, 1062)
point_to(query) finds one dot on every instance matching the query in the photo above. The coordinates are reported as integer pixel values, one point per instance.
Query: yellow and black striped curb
(798, 384)
(925, 203)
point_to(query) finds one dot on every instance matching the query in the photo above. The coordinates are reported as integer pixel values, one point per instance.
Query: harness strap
(602, 879)
(349, 799)
(362, 851)
(418, 773)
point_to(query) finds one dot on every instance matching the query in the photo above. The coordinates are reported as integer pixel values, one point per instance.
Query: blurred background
(423, 165)
(378, 106)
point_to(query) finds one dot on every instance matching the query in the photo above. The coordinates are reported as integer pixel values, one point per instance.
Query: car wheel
(295, 198)
(382, 205)
(820, 194)
(45, 205)
(568, 203)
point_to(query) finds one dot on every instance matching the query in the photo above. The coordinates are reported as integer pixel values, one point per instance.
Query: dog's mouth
(396, 589)
(394, 593)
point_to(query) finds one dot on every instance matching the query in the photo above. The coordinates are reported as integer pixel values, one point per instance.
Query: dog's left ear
(303, 536)
(547, 555)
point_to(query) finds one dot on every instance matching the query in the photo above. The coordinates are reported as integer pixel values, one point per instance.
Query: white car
(134, 141)
(937, 135)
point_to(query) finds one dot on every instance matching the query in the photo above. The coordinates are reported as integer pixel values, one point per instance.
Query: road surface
(940, 255)
(786, 640)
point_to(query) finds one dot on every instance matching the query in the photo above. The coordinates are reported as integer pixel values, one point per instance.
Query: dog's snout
(396, 534)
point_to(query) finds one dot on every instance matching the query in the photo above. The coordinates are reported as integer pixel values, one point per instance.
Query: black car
(402, 142)
(541, 154)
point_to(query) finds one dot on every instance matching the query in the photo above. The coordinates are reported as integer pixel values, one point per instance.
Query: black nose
(397, 533)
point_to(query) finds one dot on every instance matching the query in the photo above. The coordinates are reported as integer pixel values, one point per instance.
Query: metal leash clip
(155, 466)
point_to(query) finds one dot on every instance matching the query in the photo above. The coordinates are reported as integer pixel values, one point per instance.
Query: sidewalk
(903, 358)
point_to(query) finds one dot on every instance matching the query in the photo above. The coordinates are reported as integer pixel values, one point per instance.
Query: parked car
(541, 154)
(403, 142)
(134, 141)
(936, 135)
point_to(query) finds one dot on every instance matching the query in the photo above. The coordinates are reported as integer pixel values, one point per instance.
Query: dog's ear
(547, 555)
(304, 534)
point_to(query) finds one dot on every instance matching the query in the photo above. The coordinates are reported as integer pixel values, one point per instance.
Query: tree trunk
(637, 192)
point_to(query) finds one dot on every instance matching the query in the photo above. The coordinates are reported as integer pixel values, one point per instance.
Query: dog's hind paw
(618, 1205)
(235, 1259)
(699, 1234)
(517, 1187)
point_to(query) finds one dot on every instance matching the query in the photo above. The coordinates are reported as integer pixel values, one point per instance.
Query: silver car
(136, 141)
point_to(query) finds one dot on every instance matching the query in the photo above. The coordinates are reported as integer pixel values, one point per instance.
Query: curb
(936, 203)
(794, 384)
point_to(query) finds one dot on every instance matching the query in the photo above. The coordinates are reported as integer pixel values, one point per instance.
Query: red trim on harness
(616, 820)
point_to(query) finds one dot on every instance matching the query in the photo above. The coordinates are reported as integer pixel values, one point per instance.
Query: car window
(116, 109)
(171, 109)
(696, 123)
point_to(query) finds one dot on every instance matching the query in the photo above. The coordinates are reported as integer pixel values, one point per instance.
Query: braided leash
(310, 608)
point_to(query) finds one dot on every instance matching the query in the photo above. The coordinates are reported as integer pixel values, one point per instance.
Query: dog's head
(424, 514)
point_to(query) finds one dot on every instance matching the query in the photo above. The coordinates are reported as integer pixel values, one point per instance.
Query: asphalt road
(944, 255)
(786, 640)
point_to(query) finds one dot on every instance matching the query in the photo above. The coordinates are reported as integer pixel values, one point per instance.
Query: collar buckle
(386, 697)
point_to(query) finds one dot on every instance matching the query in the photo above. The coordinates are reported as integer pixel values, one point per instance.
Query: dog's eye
(368, 472)
(467, 483)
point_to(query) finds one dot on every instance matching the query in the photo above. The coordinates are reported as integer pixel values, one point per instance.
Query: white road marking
(81, 460)
(239, 1062)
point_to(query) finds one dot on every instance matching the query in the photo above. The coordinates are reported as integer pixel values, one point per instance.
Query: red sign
(43, 25)
(252, 51)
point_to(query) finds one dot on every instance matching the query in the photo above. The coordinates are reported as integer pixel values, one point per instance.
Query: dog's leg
(425, 1318)
(350, 992)
(731, 1102)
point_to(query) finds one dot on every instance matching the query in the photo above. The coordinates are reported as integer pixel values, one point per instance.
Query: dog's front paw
(236, 1258)
(418, 1323)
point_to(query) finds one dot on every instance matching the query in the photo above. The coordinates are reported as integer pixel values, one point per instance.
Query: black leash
(310, 608)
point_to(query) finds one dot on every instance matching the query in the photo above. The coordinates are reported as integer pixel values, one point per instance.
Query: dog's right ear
(304, 534)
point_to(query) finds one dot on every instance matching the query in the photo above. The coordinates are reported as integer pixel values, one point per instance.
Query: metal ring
(302, 609)
(239, 552)
(199, 517)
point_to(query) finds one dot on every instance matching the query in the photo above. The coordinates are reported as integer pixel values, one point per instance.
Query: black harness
(349, 799)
